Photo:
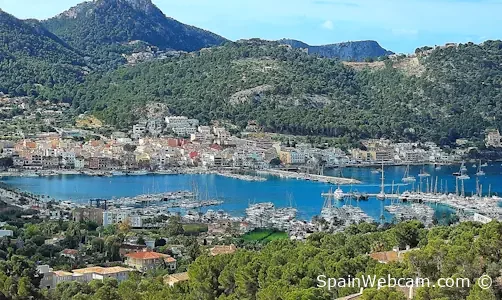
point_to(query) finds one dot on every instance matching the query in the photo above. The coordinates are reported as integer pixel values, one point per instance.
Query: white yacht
(423, 173)
(407, 178)
(480, 171)
(338, 194)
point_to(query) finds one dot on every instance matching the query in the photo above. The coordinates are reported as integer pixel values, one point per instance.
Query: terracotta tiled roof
(88, 270)
(70, 251)
(170, 259)
(174, 278)
(113, 270)
(146, 255)
(101, 270)
(217, 250)
(62, 273)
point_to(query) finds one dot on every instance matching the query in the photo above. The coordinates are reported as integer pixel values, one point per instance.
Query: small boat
(404, 196)
(484, 165)
(480, 171)
(407, 178)
(118, 173)
(462, 170)
(423, 174)
(463, 173)
(375, 171)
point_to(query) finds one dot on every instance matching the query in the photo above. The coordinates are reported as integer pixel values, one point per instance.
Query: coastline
(48, 173)
(183, 171)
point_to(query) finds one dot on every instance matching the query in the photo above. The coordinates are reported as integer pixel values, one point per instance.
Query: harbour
(234, 196)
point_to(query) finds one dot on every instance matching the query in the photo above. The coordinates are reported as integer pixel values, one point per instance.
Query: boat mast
(463, 190)
(456, 186)
(436, 186)
(382, 186)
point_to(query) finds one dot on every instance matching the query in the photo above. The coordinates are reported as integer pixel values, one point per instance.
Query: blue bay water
(238, 194)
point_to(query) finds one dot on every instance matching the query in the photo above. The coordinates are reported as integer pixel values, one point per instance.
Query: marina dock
(242, 177)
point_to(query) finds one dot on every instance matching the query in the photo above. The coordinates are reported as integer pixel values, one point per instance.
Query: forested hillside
(106, 29)
(444, 94)
(281, 270)
(35, 62)
(455, 92)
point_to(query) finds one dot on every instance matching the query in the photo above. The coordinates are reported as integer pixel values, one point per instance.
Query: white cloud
(328, 25)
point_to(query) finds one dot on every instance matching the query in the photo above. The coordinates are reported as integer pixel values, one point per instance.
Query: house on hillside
(148, 260)
(70, 253)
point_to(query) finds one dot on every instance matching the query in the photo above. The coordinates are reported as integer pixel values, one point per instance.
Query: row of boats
(415, 211)
(461, 174)
(265, 214)
(178, 199)
(345, 215)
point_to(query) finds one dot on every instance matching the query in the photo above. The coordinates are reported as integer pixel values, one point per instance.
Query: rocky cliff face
(348, 51)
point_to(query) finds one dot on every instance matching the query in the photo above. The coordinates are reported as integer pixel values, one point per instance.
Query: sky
(398, 25)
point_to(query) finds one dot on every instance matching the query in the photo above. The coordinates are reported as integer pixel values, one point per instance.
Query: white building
(182, 125)
(204, 130)
(493, 138)
(4, 233)
(121, 215)
(184, 131)
(68, 159)
(79, 163)
(181, 121)
(176, 121)
(50, 152)
(297, 157)
(139, 129)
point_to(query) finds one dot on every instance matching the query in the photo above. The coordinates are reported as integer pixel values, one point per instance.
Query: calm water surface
(238, 194)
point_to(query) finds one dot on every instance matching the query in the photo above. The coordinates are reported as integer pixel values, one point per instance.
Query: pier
(242, 177)
(312, 177)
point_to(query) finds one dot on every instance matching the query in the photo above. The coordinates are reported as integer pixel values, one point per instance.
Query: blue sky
(398, 25)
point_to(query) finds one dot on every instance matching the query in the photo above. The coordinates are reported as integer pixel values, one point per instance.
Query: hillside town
(180, 142)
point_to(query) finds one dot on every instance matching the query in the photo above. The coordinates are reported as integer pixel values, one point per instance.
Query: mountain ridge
(103, 28)
(348, 51)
